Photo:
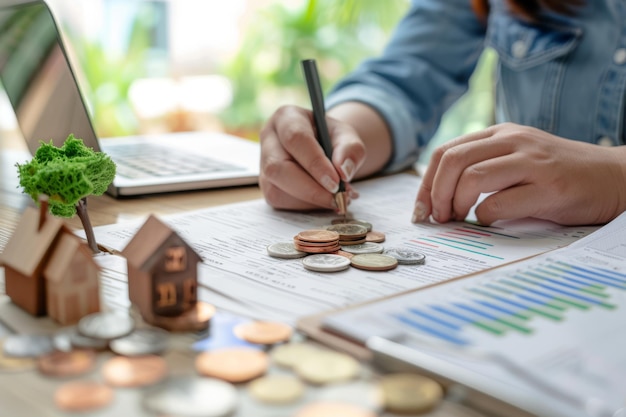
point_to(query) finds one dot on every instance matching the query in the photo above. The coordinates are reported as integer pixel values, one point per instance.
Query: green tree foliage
(66, 174)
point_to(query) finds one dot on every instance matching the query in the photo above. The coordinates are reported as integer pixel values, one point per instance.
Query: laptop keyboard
(151, 160)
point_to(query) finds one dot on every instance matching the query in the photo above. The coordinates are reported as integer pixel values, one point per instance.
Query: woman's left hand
(531, 173)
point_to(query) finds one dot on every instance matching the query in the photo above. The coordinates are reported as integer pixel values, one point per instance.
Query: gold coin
(82, 396)
(66, 364)
(136, 371)
(334, 409)
(196, 319)
(276, 389)
(10, 364)
(288, 355)
(374, 262)
(263, 332)
(376, 237)
(232, 364)
(327, 367)
(406, 393)
(318, 236)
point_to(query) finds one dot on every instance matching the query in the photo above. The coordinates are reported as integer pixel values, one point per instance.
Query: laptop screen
(37, 77)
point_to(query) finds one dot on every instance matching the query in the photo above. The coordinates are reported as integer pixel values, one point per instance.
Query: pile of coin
(346, 242)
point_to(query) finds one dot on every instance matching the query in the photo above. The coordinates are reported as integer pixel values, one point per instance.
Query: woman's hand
(531, 173)
(295, 172)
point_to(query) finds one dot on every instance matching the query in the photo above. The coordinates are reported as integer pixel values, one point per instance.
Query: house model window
(167, 294)
(175, 259)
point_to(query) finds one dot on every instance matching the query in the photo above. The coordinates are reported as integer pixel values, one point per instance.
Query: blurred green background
(263, 70)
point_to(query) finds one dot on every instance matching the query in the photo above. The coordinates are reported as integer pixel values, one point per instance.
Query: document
(232, 241)
(553, 324)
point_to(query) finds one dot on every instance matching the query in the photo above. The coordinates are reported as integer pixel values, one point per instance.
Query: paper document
(560, 316)
(232, 242)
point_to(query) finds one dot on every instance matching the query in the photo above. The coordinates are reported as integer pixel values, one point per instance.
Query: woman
(560, 92)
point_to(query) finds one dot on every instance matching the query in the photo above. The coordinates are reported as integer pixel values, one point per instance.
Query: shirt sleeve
(422, 71)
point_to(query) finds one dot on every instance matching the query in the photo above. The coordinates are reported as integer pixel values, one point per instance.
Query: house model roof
(147, 241)
(28, 246)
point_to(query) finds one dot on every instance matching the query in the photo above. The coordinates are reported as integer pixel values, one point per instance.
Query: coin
(191, 397)
(66, 364)
(344, 254)
(374, 262)
(318, 235)
(342, 220)
(106, 325)
(85, 342)
(374, 236)
(146, 341)
(139, 371)
(8, 364)
(288, 355)
(326, 263)
(367, 247)
(82, 396)
(333, 409)
(276, 389)
(232, 364)
(406, 256)
(27, 345)
(196, 319)
(263, 332)
(285, 250)
(348, 231)
(406, 393)
(327, 367)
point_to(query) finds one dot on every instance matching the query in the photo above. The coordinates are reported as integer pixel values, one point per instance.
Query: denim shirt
(565, 75)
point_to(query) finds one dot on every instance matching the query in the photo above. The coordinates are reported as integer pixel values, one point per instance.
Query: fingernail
(419, 212)
(329, 184)
(353, 194)
(348, 169)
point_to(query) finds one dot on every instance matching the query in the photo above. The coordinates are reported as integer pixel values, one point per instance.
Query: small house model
(162, 271)
(42, 255)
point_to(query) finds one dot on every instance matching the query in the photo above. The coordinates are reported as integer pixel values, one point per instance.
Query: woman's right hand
(295, 172)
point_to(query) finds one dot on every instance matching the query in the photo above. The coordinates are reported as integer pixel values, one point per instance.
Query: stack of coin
(349, 234)
(317, 241)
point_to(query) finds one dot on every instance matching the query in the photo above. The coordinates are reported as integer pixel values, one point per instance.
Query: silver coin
(326, 263)
(406, 256)
(27, 345)
(341, 220)
(192, 397)
(85, 342)
(284, 250)
(148, 341)
(106, 326)
(348, 230)
(367, 247)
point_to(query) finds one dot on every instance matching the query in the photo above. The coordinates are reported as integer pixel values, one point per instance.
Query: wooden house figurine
(162, 271)
(72, 281)
(48, 270)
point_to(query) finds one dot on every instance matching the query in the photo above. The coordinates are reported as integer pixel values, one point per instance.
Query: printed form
(239, 275)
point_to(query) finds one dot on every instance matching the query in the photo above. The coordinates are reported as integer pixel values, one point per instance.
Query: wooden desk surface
(29, 394)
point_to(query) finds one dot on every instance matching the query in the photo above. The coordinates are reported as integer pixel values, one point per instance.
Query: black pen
(319, 116)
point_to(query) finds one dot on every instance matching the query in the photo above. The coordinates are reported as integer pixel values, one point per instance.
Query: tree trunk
(81, 210)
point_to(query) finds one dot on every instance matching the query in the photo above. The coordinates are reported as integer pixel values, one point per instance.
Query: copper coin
(82, 396)
(137, 371)
(334, 409)
(321, 249)
(66, 364)
(196, 319)
(263, 332)
(376, 237)
(232, 364)
(318, 236)
(374, 262)
(344, 254)
(304, 243)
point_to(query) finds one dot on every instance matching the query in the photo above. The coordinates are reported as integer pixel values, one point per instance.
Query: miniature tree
(67, 175)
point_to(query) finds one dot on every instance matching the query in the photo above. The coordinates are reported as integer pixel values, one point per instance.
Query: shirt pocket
(521, 46)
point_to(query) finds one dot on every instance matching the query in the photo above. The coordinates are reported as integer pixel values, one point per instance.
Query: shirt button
(519, 49)
(619, 57)
(605, 141)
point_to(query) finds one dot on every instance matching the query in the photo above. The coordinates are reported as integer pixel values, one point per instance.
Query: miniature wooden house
(25, 257)
(162, 271)
(72, 284)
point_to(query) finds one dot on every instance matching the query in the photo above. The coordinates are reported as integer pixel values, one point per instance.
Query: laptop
(43, 90)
